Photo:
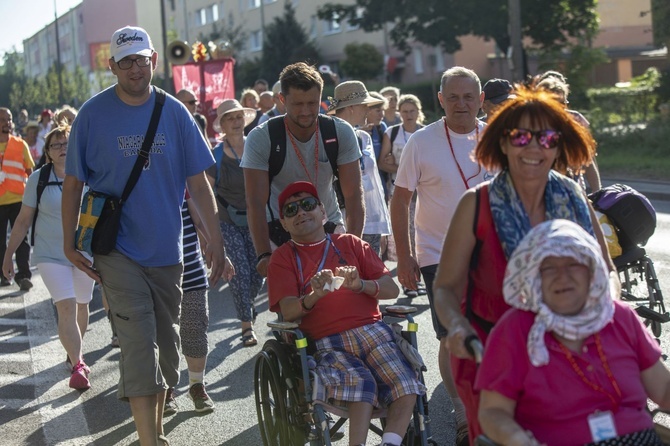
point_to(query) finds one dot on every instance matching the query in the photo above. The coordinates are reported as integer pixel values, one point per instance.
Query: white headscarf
(522, 287)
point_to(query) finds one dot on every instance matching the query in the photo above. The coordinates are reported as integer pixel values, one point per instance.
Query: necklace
(58, 183)
(310, 244)
(299, 155)
(453, 154)
(608, 372)
(230, 146)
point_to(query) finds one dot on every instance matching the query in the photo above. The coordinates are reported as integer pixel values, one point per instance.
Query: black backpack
(42, 183)
(396, 128)
(631, 213)
(277, 130)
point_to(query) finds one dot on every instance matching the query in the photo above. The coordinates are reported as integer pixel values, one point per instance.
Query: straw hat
(229, 106)
(351, 93)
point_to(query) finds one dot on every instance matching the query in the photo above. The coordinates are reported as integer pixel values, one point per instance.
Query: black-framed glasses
(546, 138)
(307, 204)
(58, 146)
(142, 62)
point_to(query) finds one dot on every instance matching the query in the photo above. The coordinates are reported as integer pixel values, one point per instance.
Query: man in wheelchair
(331, 284)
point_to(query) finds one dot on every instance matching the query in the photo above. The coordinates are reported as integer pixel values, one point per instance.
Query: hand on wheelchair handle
(459, 334)
(474, 346)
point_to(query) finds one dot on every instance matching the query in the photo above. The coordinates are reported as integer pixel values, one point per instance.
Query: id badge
(602, 426)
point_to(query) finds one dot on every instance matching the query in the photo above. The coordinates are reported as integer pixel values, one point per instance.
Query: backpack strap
(394, 132)
(42, 183)
(330, 143)
(277, 156)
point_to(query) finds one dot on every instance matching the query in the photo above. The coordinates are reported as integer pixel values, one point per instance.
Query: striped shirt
(195, 274)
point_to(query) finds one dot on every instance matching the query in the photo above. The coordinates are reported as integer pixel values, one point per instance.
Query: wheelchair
(639, 284)
(284, 388)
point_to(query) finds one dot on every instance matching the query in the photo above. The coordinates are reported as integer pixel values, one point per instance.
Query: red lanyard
(479, 168)
(594, 386)
(301, 159)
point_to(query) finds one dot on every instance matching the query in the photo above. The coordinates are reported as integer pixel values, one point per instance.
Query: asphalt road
(38, 408)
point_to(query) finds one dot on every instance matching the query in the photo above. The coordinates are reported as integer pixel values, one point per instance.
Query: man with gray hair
(439, 185)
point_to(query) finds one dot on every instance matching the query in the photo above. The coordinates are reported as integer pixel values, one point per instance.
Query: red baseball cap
(293, 189)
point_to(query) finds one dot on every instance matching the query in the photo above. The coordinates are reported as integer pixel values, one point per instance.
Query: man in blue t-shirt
(141, 277)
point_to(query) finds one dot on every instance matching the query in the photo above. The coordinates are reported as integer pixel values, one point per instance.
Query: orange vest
(13, 168)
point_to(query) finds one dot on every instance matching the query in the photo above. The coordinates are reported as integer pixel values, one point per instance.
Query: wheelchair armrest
(284, 326)
(400, 309)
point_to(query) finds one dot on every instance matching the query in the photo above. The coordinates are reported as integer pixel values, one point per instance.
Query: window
(313, 21)
(256, 41)
(333, 26)
(418, 61)
(215, 13)
(439, 60)
(201, 17)
(359, 14)
(254, 4)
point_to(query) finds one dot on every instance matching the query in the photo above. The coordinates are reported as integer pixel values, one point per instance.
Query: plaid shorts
(364, 365)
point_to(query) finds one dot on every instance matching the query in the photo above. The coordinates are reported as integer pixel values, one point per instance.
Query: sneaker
(4, 282)
(115, 342)
(170, 407)
(201, 401)
(79, 378)
(69, 365)
(25, 284)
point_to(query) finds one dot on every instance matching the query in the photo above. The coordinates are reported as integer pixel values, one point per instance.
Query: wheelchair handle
(474, 346)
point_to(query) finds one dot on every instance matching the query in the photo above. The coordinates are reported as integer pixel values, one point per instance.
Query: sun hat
(293, 189)
(128, 41)
(497, 90)
(351, 93)
(229, 106)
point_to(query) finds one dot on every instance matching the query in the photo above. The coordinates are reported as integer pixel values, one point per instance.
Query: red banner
(212, 81)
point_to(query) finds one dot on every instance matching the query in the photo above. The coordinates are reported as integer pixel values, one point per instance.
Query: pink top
(552, 401)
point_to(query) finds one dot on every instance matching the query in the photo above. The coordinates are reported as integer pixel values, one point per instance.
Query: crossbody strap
(143, 156)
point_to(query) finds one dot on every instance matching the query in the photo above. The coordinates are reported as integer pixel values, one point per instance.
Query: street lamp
(59, 68)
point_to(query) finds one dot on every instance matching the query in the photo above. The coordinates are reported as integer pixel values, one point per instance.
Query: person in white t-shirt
(436, 162)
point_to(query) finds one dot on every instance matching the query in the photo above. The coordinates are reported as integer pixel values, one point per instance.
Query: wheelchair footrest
(655, 316)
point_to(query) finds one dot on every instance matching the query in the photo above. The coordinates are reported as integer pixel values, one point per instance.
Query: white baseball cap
(128, 41)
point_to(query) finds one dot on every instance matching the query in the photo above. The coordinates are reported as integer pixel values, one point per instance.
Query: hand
(389, 158)
(228, 270)
(77, 259)
(408, 273)
(217, 262)
(352, 280)
(262, 266)
(458, 332)
(319, 280)
(524, 438)
(8, 267)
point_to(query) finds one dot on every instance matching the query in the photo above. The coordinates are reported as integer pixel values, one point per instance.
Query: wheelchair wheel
(280, 417)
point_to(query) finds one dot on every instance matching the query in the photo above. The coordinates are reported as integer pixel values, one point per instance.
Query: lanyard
(479, 168)
(233, 150)
(299, 155)
(304, 283)
(608, 372)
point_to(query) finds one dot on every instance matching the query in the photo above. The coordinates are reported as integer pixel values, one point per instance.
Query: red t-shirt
(552, 401)
(339, 310)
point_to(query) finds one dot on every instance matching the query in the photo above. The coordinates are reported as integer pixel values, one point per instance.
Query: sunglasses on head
(547, 138)
(307, 204)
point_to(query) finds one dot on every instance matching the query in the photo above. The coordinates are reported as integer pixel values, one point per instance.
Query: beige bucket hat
(229, 106)
(351, 93)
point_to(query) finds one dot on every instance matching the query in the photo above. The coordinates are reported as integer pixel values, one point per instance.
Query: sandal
(421, 289)
(162, 438)
(410, 293)
(462, 435)
(250, 339)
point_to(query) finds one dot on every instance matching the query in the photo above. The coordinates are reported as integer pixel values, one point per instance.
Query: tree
(285, 42)
(660, 16)
(550, 24)
(362, 61)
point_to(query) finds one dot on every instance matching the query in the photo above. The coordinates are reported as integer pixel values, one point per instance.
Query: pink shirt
(552, 401)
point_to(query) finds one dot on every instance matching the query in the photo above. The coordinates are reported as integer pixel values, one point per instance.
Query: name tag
(602, 426)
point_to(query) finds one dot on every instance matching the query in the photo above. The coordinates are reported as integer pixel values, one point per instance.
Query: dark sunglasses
(307, 204)
(547, 138)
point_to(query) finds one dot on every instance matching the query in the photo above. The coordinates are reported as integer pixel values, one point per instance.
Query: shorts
(364, 364)
(428, 273)
(144, 303)
(66, 282)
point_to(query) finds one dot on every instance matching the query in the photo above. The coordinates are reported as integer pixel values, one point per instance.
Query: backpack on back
(631, 212)
(42, 183)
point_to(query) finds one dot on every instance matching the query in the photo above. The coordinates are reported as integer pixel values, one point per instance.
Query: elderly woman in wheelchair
(569, 364)
(331, 284)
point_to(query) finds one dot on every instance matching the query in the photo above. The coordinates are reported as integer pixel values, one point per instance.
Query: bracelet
(377, 289)
(262, 256)
(362, 286)
(304, 307)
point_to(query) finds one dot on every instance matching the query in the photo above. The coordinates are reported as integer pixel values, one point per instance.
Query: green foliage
(576, 62)
(285, 42)
(550, 24)
(362, 61)
(619, 109)
(246, 72)
(660, 20)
